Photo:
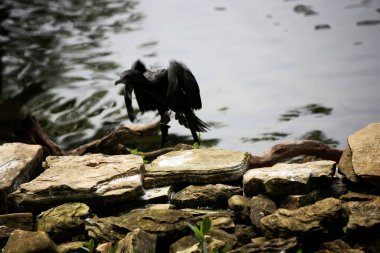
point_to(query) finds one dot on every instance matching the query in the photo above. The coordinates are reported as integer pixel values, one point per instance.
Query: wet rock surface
(287, 179)
(19, 163)
(93, 179)
(196, 166)
(102, 198)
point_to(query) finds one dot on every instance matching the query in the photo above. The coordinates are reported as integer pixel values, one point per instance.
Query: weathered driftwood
(115, 143)
(284, 151)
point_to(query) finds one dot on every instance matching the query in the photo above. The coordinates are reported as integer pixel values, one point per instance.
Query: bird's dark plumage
(172, 89)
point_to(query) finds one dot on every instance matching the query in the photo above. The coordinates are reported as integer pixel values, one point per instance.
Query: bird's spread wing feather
(183, 89)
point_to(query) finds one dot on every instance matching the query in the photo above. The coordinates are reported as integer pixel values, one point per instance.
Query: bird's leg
(195, 135)
(165, 118)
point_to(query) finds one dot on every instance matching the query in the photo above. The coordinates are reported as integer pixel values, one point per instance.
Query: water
(269, 71)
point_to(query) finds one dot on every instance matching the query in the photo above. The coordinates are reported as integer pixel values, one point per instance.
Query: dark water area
(269, 71)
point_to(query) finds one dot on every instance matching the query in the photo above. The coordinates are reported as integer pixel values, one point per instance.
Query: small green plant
(89, 246)
(200, 233)
(196, 145)
(137, 152)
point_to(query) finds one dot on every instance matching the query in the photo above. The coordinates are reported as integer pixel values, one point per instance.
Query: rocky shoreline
(60, 203)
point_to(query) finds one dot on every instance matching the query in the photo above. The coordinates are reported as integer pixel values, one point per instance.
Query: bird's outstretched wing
(183, 89)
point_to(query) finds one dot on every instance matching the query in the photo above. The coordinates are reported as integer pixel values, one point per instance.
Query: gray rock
(287, 179)
(64, 222)
(92, 179)
(29, 242)
(157, 195)
(204, 166)
(19, 163)
(240, 205)
(13, 221)
(260, 206)
(137, 241)
(216, 239)
(265, 245)
(365, 148)
(322, 217)
(204, 196)
(364, 218)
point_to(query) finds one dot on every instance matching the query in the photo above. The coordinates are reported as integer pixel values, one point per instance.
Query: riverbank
(310, 205)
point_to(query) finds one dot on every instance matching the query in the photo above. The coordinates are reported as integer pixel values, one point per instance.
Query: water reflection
(318, 135)
(310, 109)
(54, 64)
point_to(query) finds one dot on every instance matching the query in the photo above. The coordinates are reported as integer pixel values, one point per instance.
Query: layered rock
(19, 163)
(288, 179)
(13, 221)
(160, 222)
(322, 217)
(204, 166)
(240, 205)
(95, 179)
(204, 196)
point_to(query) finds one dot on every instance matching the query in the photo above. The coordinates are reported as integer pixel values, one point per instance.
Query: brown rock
(365, 147)
(137, 241)
(260, 206)
(29, 242)
(345, 165)
(268, 245)
(204, 196)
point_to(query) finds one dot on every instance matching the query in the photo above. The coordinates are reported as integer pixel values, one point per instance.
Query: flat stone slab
(365, 148)
(19, 163)
(94, 179)
(195, 196)
(205, 166)
(287, 179)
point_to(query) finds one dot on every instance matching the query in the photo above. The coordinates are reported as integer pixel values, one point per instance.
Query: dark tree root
(29, 131)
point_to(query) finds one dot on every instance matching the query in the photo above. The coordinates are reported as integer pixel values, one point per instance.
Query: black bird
(165, 90)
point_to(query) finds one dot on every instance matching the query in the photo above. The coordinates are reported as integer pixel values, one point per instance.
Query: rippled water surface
(269, 71)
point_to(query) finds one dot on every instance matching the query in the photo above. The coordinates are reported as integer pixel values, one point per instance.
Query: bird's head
(130, 77)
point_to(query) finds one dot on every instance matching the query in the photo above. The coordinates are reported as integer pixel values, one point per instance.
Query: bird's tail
(191, 121)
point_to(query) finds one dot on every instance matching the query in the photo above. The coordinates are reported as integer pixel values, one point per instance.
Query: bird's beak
(118, 81)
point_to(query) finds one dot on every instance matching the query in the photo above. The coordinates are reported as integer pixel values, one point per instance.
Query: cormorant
(165, 90)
